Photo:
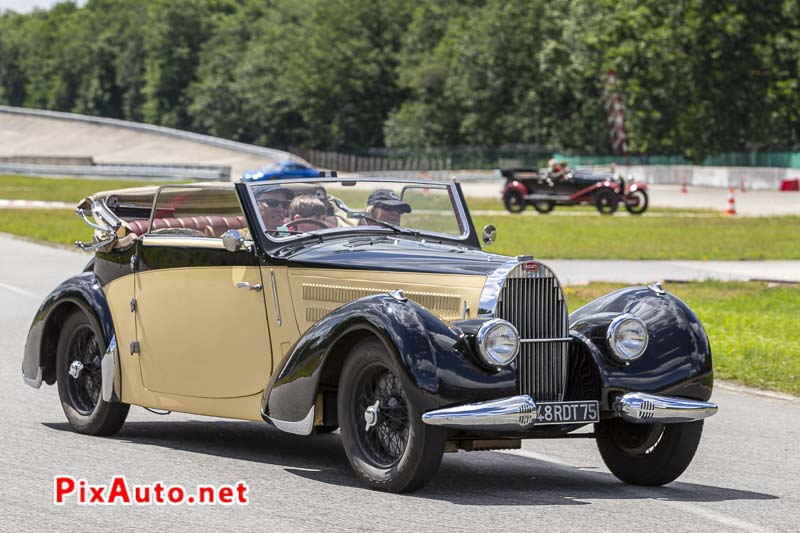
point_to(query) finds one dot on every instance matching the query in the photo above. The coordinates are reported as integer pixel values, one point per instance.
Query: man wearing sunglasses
(274, 206)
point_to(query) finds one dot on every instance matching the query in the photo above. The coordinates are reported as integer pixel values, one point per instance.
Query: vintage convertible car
(377, 313)
(544, 190)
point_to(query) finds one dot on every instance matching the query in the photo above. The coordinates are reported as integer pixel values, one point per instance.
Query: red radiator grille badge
(530, 266)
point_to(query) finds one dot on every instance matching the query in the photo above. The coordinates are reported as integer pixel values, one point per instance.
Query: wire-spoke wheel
(80, 378)
(384, 437)
(648, 454)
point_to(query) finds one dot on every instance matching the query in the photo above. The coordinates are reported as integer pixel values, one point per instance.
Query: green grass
(752, 328)
(672, 237)
(60, 190)
(712, 238)
(57, 226)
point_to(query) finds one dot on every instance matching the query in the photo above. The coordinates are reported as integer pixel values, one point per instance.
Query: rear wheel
(544, 206)
(79, 377)
(606, 201)
(514, 201)
(636, 202)
(386, 442)
(648, 454)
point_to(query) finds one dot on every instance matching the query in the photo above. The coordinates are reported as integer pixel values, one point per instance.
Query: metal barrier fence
(428, 159)
(729, 159)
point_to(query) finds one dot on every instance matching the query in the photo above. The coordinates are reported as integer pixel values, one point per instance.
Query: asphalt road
(746, 475)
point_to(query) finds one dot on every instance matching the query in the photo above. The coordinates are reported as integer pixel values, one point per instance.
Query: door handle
(244, 285)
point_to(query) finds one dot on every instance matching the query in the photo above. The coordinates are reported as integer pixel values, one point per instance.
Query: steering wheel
(292, 225)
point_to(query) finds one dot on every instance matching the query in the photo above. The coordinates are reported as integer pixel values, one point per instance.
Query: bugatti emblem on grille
(530, 266)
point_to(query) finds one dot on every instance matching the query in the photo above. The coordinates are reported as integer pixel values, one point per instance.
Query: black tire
(641, 200)
(514, 201)
(648, 454)
(81, 398)
(398, 453)
(544, 206)
(606, 200)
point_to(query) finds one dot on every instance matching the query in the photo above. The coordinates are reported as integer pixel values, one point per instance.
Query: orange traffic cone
(731, 203)
(683, 185)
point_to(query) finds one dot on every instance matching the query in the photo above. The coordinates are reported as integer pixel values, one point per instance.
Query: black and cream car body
(409, 338)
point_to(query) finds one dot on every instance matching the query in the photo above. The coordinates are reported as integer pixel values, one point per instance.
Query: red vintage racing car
(544, 190)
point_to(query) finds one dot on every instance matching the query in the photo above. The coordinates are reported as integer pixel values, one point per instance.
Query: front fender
(677, 360)
(434, 359)
(515, 185)
(82, 291)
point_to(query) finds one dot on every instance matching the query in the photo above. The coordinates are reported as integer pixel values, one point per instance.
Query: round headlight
(498, 342)
(627, 337)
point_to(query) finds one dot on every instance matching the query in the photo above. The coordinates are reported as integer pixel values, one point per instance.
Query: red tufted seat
(211, 226)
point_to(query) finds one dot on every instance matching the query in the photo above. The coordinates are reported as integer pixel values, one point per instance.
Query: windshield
(291, 209)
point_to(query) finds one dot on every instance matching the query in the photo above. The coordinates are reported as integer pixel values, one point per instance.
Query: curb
(742, 389)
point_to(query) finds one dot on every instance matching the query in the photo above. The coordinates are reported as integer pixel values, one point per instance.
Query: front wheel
(648, 454)
(79, 376)
(514, 201)
(606, 201)
(636, 202)
(386, 442)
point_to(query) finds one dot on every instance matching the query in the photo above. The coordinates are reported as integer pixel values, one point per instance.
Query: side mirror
(489, 234)
(233, 240)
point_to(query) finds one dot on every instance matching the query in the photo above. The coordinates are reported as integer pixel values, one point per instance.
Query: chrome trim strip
(642, 408)
(274, 286)
(558, 339)
(110, 386)
(301, 427)
(492, 287)
(506, 414)
(34, 382)
(183, 242)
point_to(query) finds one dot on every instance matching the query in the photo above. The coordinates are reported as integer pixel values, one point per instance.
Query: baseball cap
(388, 198)
(285, 190)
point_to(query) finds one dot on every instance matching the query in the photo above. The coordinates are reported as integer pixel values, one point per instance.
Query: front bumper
(642, 408)
(518, 413)
(507, 414)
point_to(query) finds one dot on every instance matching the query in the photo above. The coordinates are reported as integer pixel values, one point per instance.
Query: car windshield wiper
(397, 229)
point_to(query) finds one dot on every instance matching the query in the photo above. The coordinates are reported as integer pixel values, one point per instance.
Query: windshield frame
(460, 210)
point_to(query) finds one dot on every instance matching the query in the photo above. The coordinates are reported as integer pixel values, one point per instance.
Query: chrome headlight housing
(627, 337)
(498, 342)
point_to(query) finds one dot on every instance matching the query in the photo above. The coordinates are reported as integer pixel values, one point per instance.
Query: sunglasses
(273, 202)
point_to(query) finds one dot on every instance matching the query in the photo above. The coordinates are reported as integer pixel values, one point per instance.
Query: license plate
(567, 412)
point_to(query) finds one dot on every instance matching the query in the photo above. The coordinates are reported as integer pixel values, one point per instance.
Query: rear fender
(81, 292)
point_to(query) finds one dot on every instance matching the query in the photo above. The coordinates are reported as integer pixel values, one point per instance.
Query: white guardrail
(122, 170)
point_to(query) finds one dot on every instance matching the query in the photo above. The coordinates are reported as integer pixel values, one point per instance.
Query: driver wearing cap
(273, 204)
(386, 206)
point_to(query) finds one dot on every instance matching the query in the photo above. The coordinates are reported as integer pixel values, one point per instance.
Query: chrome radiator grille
(531, 299)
